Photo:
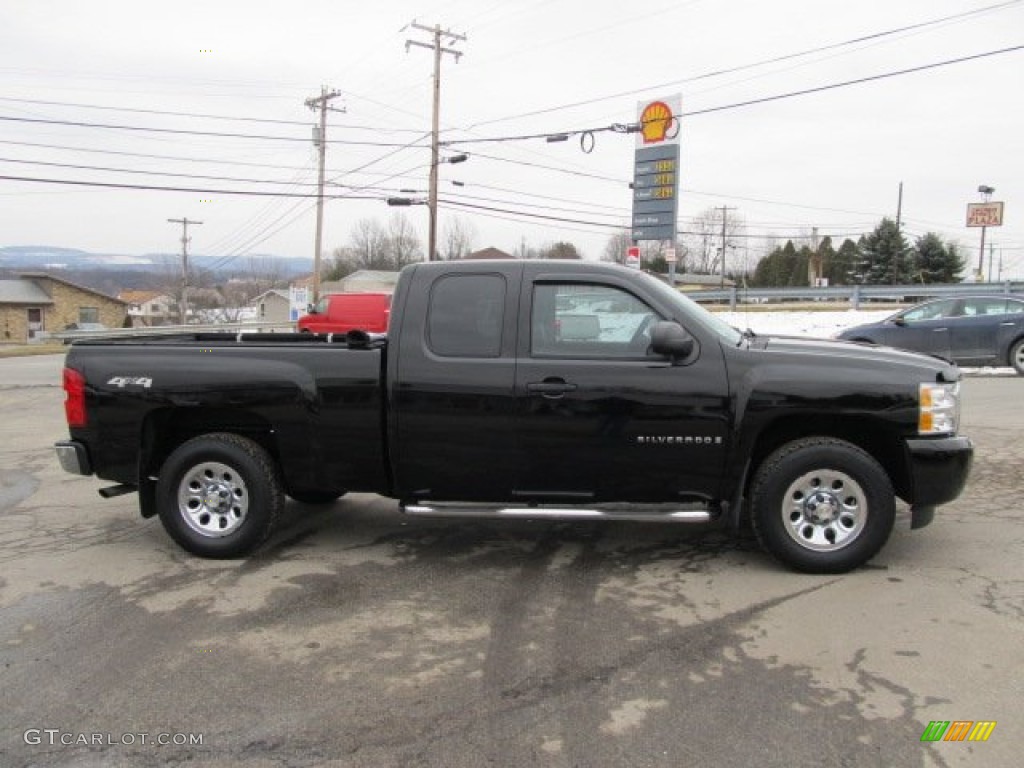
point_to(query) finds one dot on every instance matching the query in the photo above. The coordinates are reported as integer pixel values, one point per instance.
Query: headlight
(938, 410)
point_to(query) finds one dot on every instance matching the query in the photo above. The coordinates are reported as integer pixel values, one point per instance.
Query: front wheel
(1017, 356)
(822, 505)
(219, 495)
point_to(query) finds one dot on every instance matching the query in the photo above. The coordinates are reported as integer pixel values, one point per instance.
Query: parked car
(970, 330)
(344, 312)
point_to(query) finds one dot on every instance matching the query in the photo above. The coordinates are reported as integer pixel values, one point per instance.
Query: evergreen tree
(938, 262)
(886, 255)
(798, 276)
(778, 268)
(843, 266)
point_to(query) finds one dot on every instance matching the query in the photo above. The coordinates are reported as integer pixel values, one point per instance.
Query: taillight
(74, 404)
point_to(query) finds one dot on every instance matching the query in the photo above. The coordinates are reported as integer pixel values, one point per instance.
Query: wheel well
(1009, 349)
(164, 430)
(873, 437)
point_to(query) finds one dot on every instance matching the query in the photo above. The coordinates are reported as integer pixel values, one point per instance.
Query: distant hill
(45, 257)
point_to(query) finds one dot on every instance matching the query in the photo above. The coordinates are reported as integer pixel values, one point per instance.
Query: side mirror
(671, 339)
(310, 309)
(899, 321)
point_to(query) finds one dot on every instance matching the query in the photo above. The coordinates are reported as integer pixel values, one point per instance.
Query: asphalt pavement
(359, 637)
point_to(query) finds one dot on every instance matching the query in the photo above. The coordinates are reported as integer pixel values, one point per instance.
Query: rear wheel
(219, 495)
(1017, 356)
(822, 505)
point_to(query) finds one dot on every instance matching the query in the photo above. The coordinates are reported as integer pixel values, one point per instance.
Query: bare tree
(403, 244)
(616, 247)
(560, 250)
(457, 238)
(703, 240)
(368, 245)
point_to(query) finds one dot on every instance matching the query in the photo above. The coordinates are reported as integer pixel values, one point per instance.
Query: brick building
(35, 303)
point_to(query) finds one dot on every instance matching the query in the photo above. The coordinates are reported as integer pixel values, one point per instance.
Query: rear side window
(466, 316)
(984, 306)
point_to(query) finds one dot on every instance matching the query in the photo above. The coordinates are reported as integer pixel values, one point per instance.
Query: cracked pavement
(358, 637)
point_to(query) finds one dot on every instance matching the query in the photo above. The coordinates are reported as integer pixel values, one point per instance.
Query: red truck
(343, 312)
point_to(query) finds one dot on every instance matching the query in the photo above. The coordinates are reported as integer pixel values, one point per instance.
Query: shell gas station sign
(656, 170)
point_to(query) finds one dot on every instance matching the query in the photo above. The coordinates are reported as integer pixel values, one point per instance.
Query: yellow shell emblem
(655, 121)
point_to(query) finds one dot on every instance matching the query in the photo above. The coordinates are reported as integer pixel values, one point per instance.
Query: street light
(986, 192)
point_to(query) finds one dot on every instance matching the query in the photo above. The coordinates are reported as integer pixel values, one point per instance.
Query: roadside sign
(633, 257)
(984, 214)
(656, 169)
(298, 302)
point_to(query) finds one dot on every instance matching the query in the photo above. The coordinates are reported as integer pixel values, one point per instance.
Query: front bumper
(938, 469)
(73, 457)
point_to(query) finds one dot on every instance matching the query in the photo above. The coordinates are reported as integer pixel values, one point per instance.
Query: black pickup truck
(538, 389)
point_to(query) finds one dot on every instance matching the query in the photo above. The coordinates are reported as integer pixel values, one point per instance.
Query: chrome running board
(644, 513)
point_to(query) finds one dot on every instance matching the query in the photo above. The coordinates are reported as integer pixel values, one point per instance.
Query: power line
(857, 81)
(752, 65)
(200, 190)
(139, 171)
(182, 131)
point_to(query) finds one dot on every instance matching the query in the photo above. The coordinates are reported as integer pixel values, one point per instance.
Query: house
(362, 281)
(37, 303)
(273, 306)
(149, 308)
(490, 253)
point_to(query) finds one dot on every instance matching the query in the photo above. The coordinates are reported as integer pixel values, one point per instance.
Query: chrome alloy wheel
(213, 499)
(824, 510)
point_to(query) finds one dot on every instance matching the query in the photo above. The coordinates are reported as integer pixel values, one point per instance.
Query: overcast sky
(832, 159)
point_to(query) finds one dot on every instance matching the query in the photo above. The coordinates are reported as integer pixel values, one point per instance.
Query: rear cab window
(466, 315)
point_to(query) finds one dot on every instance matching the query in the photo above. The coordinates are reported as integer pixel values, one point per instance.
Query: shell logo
(655, 122)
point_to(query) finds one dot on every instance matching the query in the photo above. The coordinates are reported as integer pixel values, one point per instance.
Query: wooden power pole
(320, 142)
(438, 49)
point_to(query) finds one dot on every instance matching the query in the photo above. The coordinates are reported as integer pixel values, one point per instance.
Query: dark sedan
(971, 330)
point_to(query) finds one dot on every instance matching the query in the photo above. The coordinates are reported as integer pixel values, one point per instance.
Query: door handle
(551, 388)
(939, 330)
(1008, 324)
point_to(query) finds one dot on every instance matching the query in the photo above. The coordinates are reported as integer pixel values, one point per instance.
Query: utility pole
(438, 49)
(814, 267)
(725, 210)
(185, 239)
(899, 217)
(320, 142)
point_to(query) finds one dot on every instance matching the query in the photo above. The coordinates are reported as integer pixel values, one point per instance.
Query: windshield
(690, 310)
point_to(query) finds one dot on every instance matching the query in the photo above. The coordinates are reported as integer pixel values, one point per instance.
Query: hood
(858, 355)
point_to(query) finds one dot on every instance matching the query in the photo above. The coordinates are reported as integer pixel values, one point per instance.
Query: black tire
(316, 497)
(219, 495)
(822, 505)
(1017, 356)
